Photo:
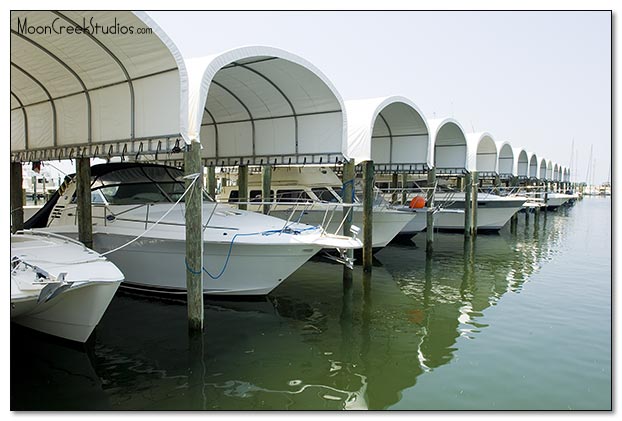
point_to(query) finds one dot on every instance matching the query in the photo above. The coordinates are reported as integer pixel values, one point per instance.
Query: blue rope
(286, 230)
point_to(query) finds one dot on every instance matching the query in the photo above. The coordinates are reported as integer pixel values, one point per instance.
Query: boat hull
(240, 269)
(387, 224)
(72, 315)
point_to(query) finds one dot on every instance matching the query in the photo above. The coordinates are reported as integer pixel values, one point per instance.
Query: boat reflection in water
(322, 341)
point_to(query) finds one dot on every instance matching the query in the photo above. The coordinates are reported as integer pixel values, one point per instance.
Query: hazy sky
(536, 79)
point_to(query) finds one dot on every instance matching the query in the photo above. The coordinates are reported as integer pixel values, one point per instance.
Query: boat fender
(417, 202)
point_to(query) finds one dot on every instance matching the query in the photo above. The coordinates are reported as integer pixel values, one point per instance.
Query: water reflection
(328, 338)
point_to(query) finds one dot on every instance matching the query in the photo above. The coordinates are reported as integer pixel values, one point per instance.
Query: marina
(468, 328)
(234, 234)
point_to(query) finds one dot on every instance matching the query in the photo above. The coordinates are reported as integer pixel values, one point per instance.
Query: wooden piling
(83, 187)
(474, 203)
(194, 236)
(17, 208)
(35, 194)
(429, 233)
(347, 193)
(368, 202)
(394, 186)
(468, 219)
(243, 186)
(211, 181)
(266, 183)
(404, 184)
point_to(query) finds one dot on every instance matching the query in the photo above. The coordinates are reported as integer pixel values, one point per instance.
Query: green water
(515, 321)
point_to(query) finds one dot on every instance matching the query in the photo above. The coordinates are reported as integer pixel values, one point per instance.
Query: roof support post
(347, 192)
(468, 219)
(368, 203)
(194, 236)
(404, 185)
(17, 208)
(266, 182)
(211, 181)
(394, 185)
(474, 203)
(243, 187)
(429, 233)
(83, 186)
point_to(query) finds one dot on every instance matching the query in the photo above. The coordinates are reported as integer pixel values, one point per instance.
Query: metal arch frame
(280, 91)
(89, 135)
(25, 119)
(250, 115)
(51, 101)
(123, 69)
(390, 137)
(215, 128)
(295, 115)
(108, 85)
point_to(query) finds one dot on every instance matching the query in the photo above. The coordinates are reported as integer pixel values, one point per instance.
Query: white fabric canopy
(391, 131)
(482, 153)
(521, 162)
(506, 162)
(449, 153)
(110, 86)
(261, 104)
(533, 165)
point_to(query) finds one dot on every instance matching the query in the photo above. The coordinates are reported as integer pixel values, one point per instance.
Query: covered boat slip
(133, 97)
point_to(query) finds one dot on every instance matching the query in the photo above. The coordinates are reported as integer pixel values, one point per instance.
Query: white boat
(493, 211)
(139, 225)
(58, 286)
(555, 200)
(312, 195)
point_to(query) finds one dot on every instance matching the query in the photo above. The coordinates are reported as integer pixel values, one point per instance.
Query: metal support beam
(17, 209)
(194, 236)
(404, 186)
(85, 223)
(368, 203)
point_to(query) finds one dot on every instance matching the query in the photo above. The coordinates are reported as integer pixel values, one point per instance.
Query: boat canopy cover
(261, 104)
(449, 153)
(388, 130)
(482, 153)
(85, 78)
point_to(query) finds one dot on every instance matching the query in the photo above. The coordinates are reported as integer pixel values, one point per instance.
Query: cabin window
(325, 195)
(254, 195)
(294, 195)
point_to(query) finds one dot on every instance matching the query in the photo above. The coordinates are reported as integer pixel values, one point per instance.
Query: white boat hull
(72, 315)
(487, 218)
(386, 225)
(83, 283)
(160, 265)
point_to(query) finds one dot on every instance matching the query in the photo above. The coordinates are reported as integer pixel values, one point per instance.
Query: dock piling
(474, 204)
(368, 202)
(468, 219)
(211, 181)
(266, 183)
(83, 186)
(17, 208)
(194, 236)
(243, 187)
(429, 233)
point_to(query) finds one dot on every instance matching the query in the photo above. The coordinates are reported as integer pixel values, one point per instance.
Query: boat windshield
(143, 184)
(326, 195)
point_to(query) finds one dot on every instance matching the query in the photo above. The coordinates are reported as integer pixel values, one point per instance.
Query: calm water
(515, 321)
